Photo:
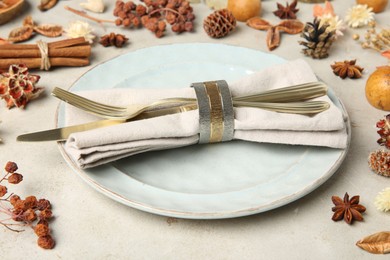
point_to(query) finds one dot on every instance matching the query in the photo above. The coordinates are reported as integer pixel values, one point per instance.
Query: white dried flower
(382, 200)
(80, 29)
(359, 15)
(96, 6)
(335, 24)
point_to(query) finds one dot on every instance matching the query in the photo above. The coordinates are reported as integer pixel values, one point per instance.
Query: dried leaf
(49, 30)
(258, 23)
(378, 243)
(291, 26)
(273, 38)
(320, 11)
(47, 4)
(20, 34)
(386, 54)
(28, 21)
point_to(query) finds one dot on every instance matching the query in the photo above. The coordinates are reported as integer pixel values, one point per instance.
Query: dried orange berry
(31, 202)
(15, 178)
(41, 230)
(11, 167)
(43, 204)
(46, 242)
(29, 215)
(20, 205)
(3, 190)
(14, 199)
(46, 214)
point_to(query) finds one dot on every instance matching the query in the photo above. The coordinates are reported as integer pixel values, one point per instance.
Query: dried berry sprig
(377, 41)
(384, 131)
(29, 212)
(153, 15)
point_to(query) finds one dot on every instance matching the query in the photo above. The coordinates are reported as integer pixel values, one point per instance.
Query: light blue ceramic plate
(202, 181)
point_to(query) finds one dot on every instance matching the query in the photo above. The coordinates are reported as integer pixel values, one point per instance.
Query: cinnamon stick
(69, 52)
(74, 51)
(35, 63)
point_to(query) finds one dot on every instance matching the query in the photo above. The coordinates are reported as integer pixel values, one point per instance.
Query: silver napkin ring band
(216, 115)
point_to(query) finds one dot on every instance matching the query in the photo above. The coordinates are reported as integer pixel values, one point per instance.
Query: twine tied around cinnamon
(44, 49)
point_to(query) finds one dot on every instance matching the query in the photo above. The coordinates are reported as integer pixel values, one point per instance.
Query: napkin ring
(216, 115)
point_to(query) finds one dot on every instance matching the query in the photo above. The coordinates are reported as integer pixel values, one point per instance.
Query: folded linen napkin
(103, 145)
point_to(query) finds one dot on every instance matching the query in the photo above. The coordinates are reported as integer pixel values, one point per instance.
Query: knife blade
(61, 134)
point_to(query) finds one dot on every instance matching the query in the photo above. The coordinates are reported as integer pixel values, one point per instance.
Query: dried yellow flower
(80, 29)
(359, 15)
(334, 24)
(382, 200)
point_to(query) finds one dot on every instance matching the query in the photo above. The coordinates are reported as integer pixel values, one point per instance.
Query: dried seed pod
(379, 162)
(273, 38)
(47, 4)
(291, 26)
(220, 23)
(28, 21)
(20, 34)
(258, 23)
(49, 30)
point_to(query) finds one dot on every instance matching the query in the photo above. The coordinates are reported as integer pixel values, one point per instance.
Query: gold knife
(61, 134)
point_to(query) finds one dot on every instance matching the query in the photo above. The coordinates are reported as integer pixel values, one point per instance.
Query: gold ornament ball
(377, 5)
(378, 88)
(244, 9)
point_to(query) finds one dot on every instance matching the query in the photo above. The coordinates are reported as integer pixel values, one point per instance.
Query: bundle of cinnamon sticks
(70, 53)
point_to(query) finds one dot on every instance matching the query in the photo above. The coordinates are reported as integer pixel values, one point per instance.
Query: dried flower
(382, 200)
(17, 86)
(384, 131)
(334, 24)
(379, 162)
(347, 209)
(80, 29)
(359, 15)
(96, 6)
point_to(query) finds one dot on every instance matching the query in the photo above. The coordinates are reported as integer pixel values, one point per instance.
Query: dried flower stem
(85, 15)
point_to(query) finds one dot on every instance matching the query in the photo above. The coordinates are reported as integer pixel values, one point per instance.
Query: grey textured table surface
(89, 225)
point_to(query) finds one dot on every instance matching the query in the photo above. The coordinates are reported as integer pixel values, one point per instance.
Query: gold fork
(282, 100)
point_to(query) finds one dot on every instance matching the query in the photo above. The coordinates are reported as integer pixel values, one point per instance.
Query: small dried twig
(85, 15)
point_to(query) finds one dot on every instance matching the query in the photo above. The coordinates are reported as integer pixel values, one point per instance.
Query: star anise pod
(288, 11)
(347, 209)
(112, 39)
(348, 69)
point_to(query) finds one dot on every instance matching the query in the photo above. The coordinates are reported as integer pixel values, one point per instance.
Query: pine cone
(220, 23)
(112, 39)
(379, 162)
(319, 39)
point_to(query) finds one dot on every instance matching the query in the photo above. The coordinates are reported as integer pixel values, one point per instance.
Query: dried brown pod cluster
(28, 29)
(384, 131)
(47, 4)
(28, 212)
(379, 162)
(318, 39)
(113, 39)
(273, 31)
(219, 23)
(155, 14)
(376, 40)
(287, 12)
(347, 68)
(347, 209)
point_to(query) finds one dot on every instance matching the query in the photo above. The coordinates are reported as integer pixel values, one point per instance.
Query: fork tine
(71, 97)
